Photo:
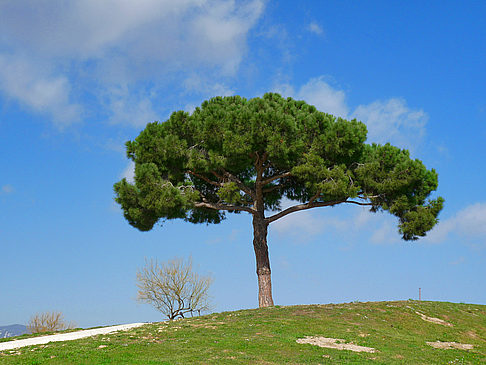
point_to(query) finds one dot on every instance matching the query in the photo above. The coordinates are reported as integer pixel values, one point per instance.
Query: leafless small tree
(173, 288)
(48, 322)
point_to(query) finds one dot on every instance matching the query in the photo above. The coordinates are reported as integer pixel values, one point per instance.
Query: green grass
(268, 336)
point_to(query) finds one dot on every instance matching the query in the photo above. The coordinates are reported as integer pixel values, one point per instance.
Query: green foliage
(396, 183)
(199, 166)
(230, 192)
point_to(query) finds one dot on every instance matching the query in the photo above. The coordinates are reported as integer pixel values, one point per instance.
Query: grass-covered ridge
(268, 336)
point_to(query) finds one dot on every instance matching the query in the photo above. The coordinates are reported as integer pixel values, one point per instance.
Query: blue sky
(79, 78)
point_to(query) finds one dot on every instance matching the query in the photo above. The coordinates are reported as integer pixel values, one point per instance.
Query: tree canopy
(234, 155)
(199, 166)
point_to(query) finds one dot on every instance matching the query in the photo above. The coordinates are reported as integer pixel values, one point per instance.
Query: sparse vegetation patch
(334, 343)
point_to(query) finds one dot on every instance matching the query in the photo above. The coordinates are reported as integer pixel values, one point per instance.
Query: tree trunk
(262, 262)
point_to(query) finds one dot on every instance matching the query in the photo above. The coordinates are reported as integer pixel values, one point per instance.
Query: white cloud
(22, 81)
(219, 33)
(304, 225)
(388, 120)
(472, 220)
(100, 46)
(441, 231)
(392, 121)
(360, 224)
(469, 223)
(200, 84)
(319, 93)
(384, 232)
(313, 27)
(300, 224)
(164, 29)
(128, 107)
(129, 172)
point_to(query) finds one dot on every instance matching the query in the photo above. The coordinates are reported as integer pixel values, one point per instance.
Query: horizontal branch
(311, 204)
(228, 207)
(300, 207)
(273, 178)
(357, 203)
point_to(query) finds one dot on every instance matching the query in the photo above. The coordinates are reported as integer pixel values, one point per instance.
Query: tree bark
(262, 261)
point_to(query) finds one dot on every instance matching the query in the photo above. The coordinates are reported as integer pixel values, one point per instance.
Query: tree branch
(272, 188)
(357, 203)
(311, 200)
(299, 207)
(240, 184)
(309, 205)
(229, 176)
(204, 178)
(272, 178)
(228, 207)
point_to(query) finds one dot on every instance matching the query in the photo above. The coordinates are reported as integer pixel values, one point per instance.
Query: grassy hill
(397, 331)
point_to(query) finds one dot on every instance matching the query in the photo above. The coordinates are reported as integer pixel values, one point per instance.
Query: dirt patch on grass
(334, 343)
(450, 345)
(434, 320)
(472, 334)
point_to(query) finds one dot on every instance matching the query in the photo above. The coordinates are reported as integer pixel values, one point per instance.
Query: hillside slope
(392, 332)
(12, 330)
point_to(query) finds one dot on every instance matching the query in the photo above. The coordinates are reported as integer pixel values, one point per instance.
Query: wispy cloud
(203, 85)
(384, 232)
(129, 172)
(7, 189)
(469, 223)
(129, 107)
(304, 226)
(301, 225)
(392, 121)
(319, 93)
(313, 27)
(38, 90)
(460, 260)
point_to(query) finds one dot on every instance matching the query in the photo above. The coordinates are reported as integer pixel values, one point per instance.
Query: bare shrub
(48, 322)
(173, 288)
